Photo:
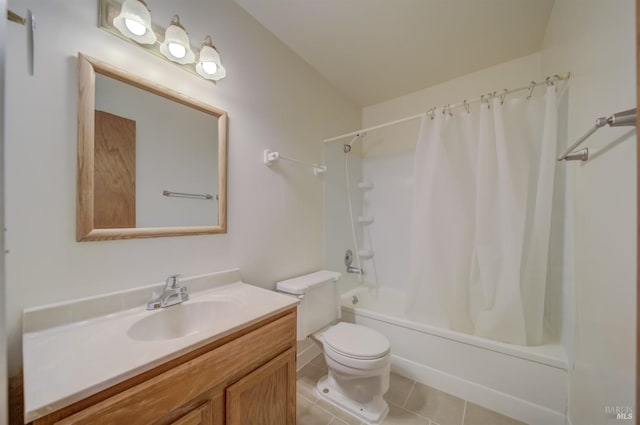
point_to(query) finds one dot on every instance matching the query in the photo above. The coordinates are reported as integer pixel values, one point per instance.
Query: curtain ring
(503, 95)
(548, 81)
(450, 109)
(466, 106)
(484, 100)
(531, 87)
(432, 113)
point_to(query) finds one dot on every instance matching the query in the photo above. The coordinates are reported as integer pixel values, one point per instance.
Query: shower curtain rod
(465, 103)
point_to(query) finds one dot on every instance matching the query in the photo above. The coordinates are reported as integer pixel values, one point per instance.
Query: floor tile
(410, 403)
(337, 412)
(478, 415)
(436, 405)
(399, 416)
(308, 413)
(307, 378)
(399, 388)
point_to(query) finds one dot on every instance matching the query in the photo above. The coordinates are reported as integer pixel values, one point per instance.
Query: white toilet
(357, 357)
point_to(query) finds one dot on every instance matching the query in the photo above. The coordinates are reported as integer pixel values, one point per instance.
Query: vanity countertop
(67, 363)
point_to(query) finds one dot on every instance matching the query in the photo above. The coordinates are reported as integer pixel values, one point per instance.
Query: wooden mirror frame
(85, 230)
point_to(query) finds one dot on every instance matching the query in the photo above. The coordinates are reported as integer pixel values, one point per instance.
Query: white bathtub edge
(521, 352)
(520, 409)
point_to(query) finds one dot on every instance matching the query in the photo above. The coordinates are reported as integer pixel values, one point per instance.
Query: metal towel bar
(620, 119)
(189, 195)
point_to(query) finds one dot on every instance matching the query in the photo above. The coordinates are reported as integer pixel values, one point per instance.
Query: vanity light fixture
(209, 65)
(131, 21)
(176, 46)
(134, 22)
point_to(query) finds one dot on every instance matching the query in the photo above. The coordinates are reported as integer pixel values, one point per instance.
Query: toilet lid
(356, 341)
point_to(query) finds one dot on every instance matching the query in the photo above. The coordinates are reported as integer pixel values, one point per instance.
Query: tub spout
(355, 270)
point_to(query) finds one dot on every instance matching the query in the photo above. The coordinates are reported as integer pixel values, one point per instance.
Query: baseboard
(307, 351)
(506, 404)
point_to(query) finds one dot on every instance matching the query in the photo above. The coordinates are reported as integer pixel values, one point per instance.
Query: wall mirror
(151, 161)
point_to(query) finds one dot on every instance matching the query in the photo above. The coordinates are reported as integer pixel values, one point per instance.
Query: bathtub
(527, 383)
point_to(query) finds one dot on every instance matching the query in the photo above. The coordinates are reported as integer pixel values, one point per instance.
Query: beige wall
(274, 100)
(595, 40)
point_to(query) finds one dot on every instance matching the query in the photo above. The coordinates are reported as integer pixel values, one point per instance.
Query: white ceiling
(374, 50)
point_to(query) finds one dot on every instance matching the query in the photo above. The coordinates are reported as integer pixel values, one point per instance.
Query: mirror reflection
(139, 157)
(155, 159)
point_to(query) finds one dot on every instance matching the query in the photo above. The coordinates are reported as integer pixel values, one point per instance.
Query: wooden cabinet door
(267, 396)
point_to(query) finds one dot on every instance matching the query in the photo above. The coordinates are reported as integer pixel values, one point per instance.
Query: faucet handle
(172, 281)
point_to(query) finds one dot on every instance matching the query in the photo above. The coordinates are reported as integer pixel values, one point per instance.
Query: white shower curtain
(481, 218)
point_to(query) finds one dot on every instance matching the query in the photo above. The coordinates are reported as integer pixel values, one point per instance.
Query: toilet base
(372, 412)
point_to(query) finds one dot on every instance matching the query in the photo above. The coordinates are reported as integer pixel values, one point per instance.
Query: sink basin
(181, 320)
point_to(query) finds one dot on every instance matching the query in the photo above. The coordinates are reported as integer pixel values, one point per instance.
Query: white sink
(181, 320)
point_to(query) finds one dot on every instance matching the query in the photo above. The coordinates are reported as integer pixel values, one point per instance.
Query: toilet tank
(319, 300)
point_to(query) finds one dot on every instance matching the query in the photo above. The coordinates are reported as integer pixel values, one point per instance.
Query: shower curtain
(482, 216)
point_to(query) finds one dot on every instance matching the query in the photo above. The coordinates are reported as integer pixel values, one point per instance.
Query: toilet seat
(356, 346)
(356, 341)
(354, 365)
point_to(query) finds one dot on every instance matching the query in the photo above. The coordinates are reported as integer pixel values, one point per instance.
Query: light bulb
(135, 27)
(176, 45)
(134, 22)
(209, 67)
(177, 50)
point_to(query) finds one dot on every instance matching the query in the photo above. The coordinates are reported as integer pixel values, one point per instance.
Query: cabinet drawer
(198, 416)
(195, 381)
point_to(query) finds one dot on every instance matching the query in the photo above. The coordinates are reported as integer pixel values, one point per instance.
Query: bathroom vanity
(232, 370)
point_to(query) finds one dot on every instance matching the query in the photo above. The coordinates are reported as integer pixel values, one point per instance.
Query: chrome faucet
(348, 260)
(172, 294)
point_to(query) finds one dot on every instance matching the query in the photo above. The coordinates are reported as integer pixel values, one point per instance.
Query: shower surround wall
(338, 232)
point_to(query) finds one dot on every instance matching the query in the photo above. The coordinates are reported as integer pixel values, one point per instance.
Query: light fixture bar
(109, 9)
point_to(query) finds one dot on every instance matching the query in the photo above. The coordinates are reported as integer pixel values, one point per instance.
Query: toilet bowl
(358, 358)
(358, 364)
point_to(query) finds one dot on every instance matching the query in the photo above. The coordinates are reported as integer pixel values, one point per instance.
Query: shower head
(347, 147)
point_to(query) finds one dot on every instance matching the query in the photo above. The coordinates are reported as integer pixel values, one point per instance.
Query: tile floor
(410, 403)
